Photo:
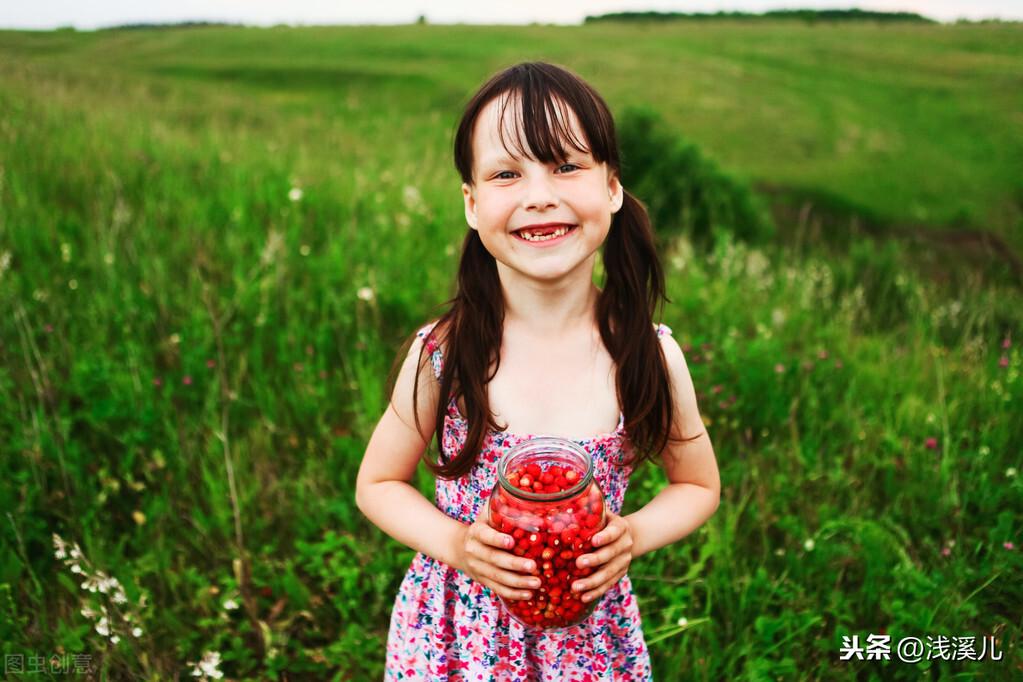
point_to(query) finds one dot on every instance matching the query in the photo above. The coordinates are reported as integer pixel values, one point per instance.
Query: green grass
(144, 204)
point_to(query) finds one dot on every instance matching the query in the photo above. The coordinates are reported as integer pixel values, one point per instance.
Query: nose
(539, 193)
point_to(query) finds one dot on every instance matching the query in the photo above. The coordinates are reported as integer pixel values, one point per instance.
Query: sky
(47, 14)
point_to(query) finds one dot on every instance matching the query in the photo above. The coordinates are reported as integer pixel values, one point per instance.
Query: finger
(501, 559)
(612, 572)
(622, 545)
(601, 590)
(507, 592)
(516, 585)
(611, 532)
(492, 537)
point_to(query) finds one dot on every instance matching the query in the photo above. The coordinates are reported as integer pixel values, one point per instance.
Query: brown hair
(471, 329)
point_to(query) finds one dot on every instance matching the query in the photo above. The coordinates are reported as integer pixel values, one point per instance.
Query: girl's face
(577, 198)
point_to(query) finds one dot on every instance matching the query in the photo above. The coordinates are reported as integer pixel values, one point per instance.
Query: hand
(483, 556)
(612, 561)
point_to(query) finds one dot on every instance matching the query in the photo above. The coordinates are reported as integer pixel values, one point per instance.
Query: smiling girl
(531, 347)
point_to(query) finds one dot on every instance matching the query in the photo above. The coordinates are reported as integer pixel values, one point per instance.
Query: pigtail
(634, 286)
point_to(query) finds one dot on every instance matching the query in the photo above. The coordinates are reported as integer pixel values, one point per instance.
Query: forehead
(499, 131)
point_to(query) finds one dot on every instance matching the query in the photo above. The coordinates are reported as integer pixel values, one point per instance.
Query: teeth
(542, 238)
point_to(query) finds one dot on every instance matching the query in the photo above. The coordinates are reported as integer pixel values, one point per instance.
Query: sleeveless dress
(446, 626)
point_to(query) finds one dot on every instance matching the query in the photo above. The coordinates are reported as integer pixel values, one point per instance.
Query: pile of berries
(554, 533)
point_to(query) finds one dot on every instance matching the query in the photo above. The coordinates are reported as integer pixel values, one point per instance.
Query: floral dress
(447, 626)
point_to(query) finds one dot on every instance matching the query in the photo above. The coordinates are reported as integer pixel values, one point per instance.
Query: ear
(616, 192)
(470, 204)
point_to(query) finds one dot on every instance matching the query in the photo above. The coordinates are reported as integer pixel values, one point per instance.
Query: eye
(500, 176)
(570, 166)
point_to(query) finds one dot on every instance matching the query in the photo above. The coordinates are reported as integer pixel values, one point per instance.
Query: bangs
(538, 127)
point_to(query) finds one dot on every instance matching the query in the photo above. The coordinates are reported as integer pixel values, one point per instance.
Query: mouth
(544, 234)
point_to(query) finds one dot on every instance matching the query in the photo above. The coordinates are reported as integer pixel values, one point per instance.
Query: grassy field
(213, 240)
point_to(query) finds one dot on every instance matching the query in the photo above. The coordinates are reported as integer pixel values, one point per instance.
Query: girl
(531, 342)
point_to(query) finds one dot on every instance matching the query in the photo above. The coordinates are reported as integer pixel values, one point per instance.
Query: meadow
(214, 240)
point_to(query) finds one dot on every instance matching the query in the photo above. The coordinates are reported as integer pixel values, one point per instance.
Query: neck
(549, 308)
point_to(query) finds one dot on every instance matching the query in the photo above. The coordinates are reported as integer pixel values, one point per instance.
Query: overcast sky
(88, 14)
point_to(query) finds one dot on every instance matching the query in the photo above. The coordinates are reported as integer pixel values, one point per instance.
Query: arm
(383, 491)
(694, 489)
(690, 498)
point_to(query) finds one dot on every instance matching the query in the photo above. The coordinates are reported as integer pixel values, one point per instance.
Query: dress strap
(663, 329)
(433, 348)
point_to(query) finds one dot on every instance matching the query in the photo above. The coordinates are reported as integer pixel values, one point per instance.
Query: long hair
(471, 329)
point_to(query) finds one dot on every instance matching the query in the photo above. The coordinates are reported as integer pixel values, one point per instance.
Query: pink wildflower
(211, 363)
(716, 389)
(1008, 545)
(946, 551)
(1003, 361)
(823, 355)
(1006, 343)
(187, 380)
(779, 368)
(931, 443)
(157, 381)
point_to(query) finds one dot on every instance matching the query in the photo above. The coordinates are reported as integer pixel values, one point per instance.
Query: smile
(544, 237)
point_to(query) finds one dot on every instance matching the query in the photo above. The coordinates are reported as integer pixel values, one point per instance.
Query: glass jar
(547, 499)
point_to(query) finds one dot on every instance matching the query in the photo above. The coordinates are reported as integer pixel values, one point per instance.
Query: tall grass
(207, 265)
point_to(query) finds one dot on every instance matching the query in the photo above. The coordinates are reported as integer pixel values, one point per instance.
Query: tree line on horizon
(808, 15)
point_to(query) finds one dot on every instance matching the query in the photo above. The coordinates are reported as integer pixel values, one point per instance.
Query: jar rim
(554, 444)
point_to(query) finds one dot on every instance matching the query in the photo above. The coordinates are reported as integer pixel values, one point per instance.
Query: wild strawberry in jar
(547, 499)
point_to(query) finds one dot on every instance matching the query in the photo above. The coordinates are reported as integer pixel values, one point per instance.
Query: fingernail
(584, 562)
(528, 566)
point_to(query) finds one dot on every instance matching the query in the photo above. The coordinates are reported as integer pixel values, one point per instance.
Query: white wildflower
(808, 545)
(207, 667)
(88, 612)
(230, 605)
(65, 252)
(136, 632)
(295, 194)
(61, 547)
(412, 198)
(102, 627)
(984, 451)
(683, 621)
(75, 568)
(1010, 472)
(779, 552)
(175, 339)
(114, 639)
(366, 294)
